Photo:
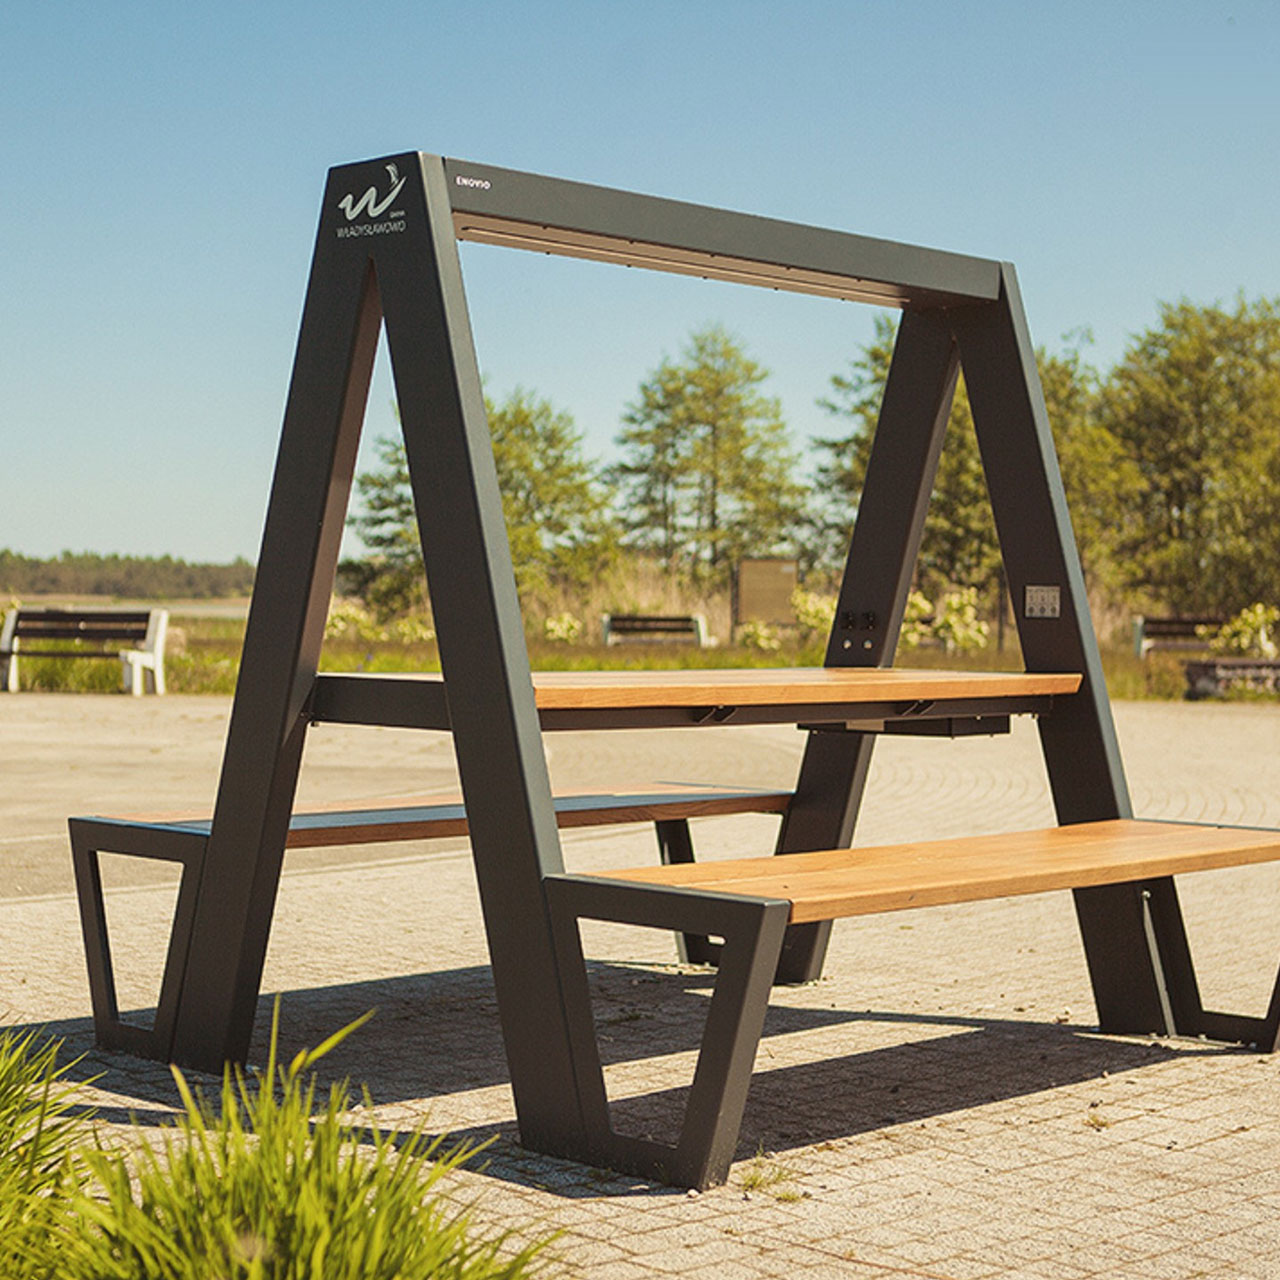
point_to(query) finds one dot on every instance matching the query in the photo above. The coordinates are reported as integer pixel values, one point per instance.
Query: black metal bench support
(186, 845)
(89, 838)
(873, 597)
(675, 844)
(753, 930)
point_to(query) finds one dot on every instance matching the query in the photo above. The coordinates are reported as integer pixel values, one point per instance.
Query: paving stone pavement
(937, 1105)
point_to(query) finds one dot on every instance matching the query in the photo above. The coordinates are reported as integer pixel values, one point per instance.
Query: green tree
(556, 508)
(1100, 477)
(708, 474)
(1196, 402)
(959, 546)
(391, 579)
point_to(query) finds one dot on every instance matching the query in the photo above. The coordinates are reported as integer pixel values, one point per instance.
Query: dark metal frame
(164, 842)
(752, 930)
(386, 252)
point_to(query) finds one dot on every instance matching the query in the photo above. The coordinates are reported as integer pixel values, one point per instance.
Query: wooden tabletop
(670, 699)
(783, 686)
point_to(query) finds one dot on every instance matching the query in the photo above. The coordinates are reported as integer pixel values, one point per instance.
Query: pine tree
(708, 474)
(556, 508)
(959, 547)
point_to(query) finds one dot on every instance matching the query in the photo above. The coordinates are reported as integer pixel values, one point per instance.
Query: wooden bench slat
(69, 653)
(423, 818)
(828, 884)
(764, 686)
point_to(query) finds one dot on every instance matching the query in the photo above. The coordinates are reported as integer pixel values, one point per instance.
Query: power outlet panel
(1043, 602)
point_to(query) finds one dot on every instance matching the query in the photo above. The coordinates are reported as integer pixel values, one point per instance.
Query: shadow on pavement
(437, 1034)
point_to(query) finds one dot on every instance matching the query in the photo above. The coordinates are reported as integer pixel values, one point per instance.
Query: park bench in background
(1180, 633)
(652, 628)
(133, 637)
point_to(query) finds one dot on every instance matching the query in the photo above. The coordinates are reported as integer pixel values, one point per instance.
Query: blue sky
(163, 164)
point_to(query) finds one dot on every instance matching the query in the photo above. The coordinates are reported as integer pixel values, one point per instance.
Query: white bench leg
(131, 674)
(141, 672)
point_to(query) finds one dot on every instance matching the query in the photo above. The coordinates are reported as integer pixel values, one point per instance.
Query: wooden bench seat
(183, 838)
(751, 902)
(438, 817)
(851, 882)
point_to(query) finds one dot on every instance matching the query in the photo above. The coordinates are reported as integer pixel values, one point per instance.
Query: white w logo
(369, 202)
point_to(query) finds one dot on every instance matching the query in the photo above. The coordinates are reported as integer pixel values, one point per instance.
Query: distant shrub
(414, 628)
(563, 628)
(957, 623)
(814, 612)
(916, 621)
(760, 635)
(348, 621)
(1250, 634)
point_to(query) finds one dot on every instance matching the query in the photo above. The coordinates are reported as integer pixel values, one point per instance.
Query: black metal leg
(89, 838)
(675, 844)
(515, 841)
(305, 520)
(413, 279)
(1133, 951)
(753, 929)
(1168, 935)
(1124, 960)
(833, 776)
(873, 596)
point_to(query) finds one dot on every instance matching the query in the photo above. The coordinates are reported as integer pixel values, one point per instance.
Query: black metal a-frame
(386, 252)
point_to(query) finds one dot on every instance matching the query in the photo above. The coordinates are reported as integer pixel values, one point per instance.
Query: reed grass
(281, 1181)
(40, 1128)
(275, 1180)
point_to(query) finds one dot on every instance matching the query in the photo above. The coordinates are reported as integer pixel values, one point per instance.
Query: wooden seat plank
(829, 884)
(438, 817)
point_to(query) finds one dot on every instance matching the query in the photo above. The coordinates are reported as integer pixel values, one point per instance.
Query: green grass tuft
(279, 1183)
(39, 1128)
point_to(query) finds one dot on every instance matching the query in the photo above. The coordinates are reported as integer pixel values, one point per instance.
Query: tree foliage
(556, 509)
(556, 506)
(959, 546)
(392, 578)
(132, 577)
(707, 474)
(1099, 476)
(1196, 403)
